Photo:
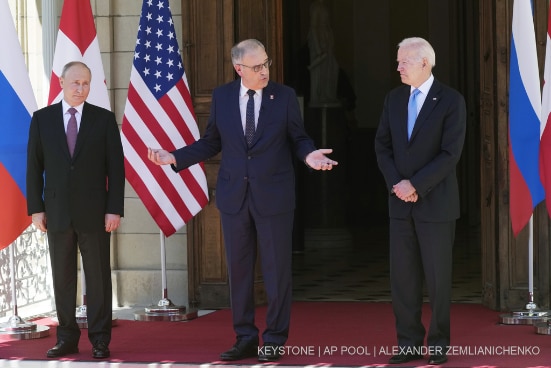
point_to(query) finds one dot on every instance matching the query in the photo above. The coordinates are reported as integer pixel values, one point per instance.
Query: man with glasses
(258, 126)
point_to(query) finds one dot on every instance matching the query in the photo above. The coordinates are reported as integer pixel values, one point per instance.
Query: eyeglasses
(257, 68)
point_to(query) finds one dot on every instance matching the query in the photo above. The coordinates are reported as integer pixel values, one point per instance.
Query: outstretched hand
(160, 156)
(318, 161)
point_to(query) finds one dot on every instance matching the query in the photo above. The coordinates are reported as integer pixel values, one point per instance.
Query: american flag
(159, 114)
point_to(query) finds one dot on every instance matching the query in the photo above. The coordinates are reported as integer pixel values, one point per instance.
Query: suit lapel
(266, 106)
(59, 129)
(86, 124)
(432, 99)
(403, 110)
(234, 115)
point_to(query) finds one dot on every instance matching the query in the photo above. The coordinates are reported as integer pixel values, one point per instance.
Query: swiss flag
(77, 41)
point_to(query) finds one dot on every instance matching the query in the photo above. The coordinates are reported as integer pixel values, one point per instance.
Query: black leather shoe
(241, 350)
(438, 359)
(100, 350)
(270, 352)
(404, 358)
(62, 348)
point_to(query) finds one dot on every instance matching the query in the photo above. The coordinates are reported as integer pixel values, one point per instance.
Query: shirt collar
(66, 107)
(425, 87)
(243, 91)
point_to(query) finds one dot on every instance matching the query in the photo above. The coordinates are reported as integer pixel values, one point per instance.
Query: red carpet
(322, 334)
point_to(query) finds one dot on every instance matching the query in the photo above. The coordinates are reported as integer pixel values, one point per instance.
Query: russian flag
(17, 103)
(525, 187)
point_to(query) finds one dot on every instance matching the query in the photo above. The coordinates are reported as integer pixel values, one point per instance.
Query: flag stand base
(530, 316)
(82, 317)
(524, 317)
(165, 310)
(18, 329)
(543, 328)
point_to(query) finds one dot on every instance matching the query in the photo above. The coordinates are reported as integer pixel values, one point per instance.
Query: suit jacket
(429, 158)
(266, 168)
(75, 191)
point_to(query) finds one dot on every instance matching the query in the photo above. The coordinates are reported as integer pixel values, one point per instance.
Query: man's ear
(237, 69)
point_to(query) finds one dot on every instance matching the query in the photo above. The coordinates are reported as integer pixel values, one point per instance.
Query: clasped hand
(405, 191)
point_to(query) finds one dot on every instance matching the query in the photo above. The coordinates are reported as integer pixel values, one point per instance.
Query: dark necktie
(249, 118)
(72, 131)
(412, 110)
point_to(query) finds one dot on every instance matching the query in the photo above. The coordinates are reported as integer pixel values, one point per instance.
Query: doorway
(341, 240)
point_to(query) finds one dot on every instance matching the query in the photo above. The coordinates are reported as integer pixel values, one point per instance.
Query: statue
(323, 67)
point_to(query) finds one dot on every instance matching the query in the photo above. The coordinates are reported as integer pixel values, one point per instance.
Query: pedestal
(326, 188)
(165, 310)
(524, 317)
(18, 329)
(82, 317)
(325, 192)
(543, 328)
(532, 315)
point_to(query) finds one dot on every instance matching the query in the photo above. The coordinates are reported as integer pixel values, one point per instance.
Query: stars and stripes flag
(525, 187)
(545, 143)
(17, 103)
(159, 113)
(77, 41)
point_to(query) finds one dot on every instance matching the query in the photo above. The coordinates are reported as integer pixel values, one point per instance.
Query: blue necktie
(412, 111)
(249, 118)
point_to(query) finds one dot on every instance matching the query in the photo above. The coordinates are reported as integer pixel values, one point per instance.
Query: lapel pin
(271, 97)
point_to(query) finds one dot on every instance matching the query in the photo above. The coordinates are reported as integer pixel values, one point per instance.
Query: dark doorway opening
(341, 246)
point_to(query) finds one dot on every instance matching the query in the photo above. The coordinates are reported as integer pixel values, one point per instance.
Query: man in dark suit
(419, 168)
(255, 191)
(75, 192)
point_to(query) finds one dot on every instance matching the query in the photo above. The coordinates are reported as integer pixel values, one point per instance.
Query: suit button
(249, 157)
(245, 178)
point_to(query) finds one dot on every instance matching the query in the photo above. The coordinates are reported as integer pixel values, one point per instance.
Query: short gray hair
(73, 63)
(422, 48)
(244, 47)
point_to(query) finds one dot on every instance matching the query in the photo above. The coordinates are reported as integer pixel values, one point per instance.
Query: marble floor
(355, 267)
